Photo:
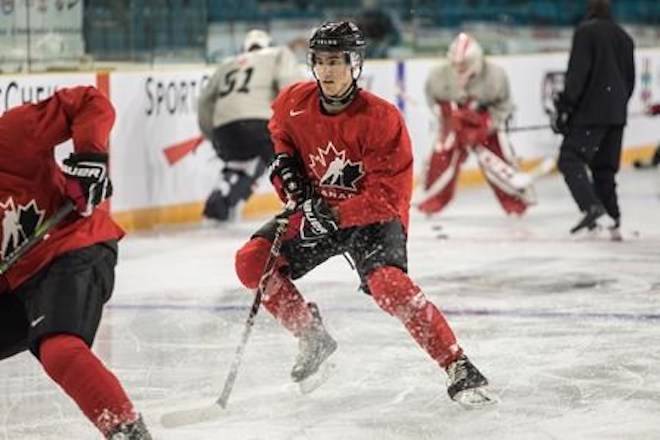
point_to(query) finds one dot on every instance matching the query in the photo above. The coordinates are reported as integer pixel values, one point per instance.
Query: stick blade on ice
(192, 416)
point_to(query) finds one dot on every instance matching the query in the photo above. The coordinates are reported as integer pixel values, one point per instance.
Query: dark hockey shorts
(67, 296)
(243, 140)
(369, 247)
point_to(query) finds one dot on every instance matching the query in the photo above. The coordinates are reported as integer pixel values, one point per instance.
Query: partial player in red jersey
(470, 97)
(343, 155)
(52, 298)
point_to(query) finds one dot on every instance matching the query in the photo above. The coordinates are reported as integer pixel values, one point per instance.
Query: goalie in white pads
(471, 98)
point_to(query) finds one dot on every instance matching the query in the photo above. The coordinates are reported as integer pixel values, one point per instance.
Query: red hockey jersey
(32, 185)
(359, 160)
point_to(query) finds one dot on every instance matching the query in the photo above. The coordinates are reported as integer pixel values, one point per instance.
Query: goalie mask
(256, 39)
(466, 57)
(343, 37)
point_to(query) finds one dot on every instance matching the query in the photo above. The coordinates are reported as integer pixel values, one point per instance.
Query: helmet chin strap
(338, 100)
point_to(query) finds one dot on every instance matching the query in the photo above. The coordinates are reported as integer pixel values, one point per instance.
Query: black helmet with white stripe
(339, 36)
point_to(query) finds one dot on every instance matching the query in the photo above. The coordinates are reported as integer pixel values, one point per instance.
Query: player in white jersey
(471, 98)
(234, 109)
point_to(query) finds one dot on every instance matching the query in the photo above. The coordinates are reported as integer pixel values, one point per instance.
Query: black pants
(67, 296)
(246, 150)
(370, 247)
(597, 148)
(243, 140)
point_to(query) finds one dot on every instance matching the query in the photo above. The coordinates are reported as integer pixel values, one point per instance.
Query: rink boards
(162, 171)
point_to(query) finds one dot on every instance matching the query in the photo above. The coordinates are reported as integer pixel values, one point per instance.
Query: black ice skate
(315, 346)
(467, 386)
(136, 430)
(589, 220)
(218, 207)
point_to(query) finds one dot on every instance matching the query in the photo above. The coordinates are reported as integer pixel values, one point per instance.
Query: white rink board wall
(526, 75)
(156, 110)
(20, 89)
(17, 90)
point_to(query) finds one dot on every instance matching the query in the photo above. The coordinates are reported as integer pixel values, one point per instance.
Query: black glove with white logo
(561, 115)
(286, 171)
(87, 180)
(318, 219)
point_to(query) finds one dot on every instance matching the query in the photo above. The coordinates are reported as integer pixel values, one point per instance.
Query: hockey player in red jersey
(343, 155)
(470, 97)
(52, 298)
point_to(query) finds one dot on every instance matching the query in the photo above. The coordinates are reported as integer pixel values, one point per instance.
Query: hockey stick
(282, 223)
(527, 128)
(548, 127)
(40, 233)
(198, 415)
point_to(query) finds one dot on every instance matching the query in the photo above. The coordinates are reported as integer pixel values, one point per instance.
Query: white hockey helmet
(466, 55)
(256, 38)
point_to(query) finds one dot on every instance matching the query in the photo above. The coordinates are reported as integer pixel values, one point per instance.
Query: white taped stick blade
(192, 416)
(476, 398)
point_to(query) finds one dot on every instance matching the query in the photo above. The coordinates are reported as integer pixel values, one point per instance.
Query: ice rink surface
(566, 329)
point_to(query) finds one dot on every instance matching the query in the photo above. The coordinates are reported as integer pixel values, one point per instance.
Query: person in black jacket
(591, 113)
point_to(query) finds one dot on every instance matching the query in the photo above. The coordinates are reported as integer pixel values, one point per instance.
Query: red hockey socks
(69, 362)
(280, 297)
(284, 302)
(395, 293)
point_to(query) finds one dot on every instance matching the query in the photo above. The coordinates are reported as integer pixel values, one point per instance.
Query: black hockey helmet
(339, 36)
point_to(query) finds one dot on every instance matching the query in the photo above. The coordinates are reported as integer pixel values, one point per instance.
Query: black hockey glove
(318, 219)
(286, 171)
(87, 180)
(561, 115)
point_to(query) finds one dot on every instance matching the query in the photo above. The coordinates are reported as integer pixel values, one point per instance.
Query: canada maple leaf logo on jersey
(334, 170)
(18, 224)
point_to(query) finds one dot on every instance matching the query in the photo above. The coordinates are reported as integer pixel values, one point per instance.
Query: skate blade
(317, 379)
(476, 398)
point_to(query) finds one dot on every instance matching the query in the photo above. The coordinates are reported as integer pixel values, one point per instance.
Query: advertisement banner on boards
(156, 143)
(17, 90)
(20, 89)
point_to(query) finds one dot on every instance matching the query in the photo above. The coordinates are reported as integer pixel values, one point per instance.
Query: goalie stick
(40, 233)
(206, 413)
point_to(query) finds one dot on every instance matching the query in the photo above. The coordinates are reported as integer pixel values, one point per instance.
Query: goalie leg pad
(510, 185)
(396, 294)
(440, 179)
